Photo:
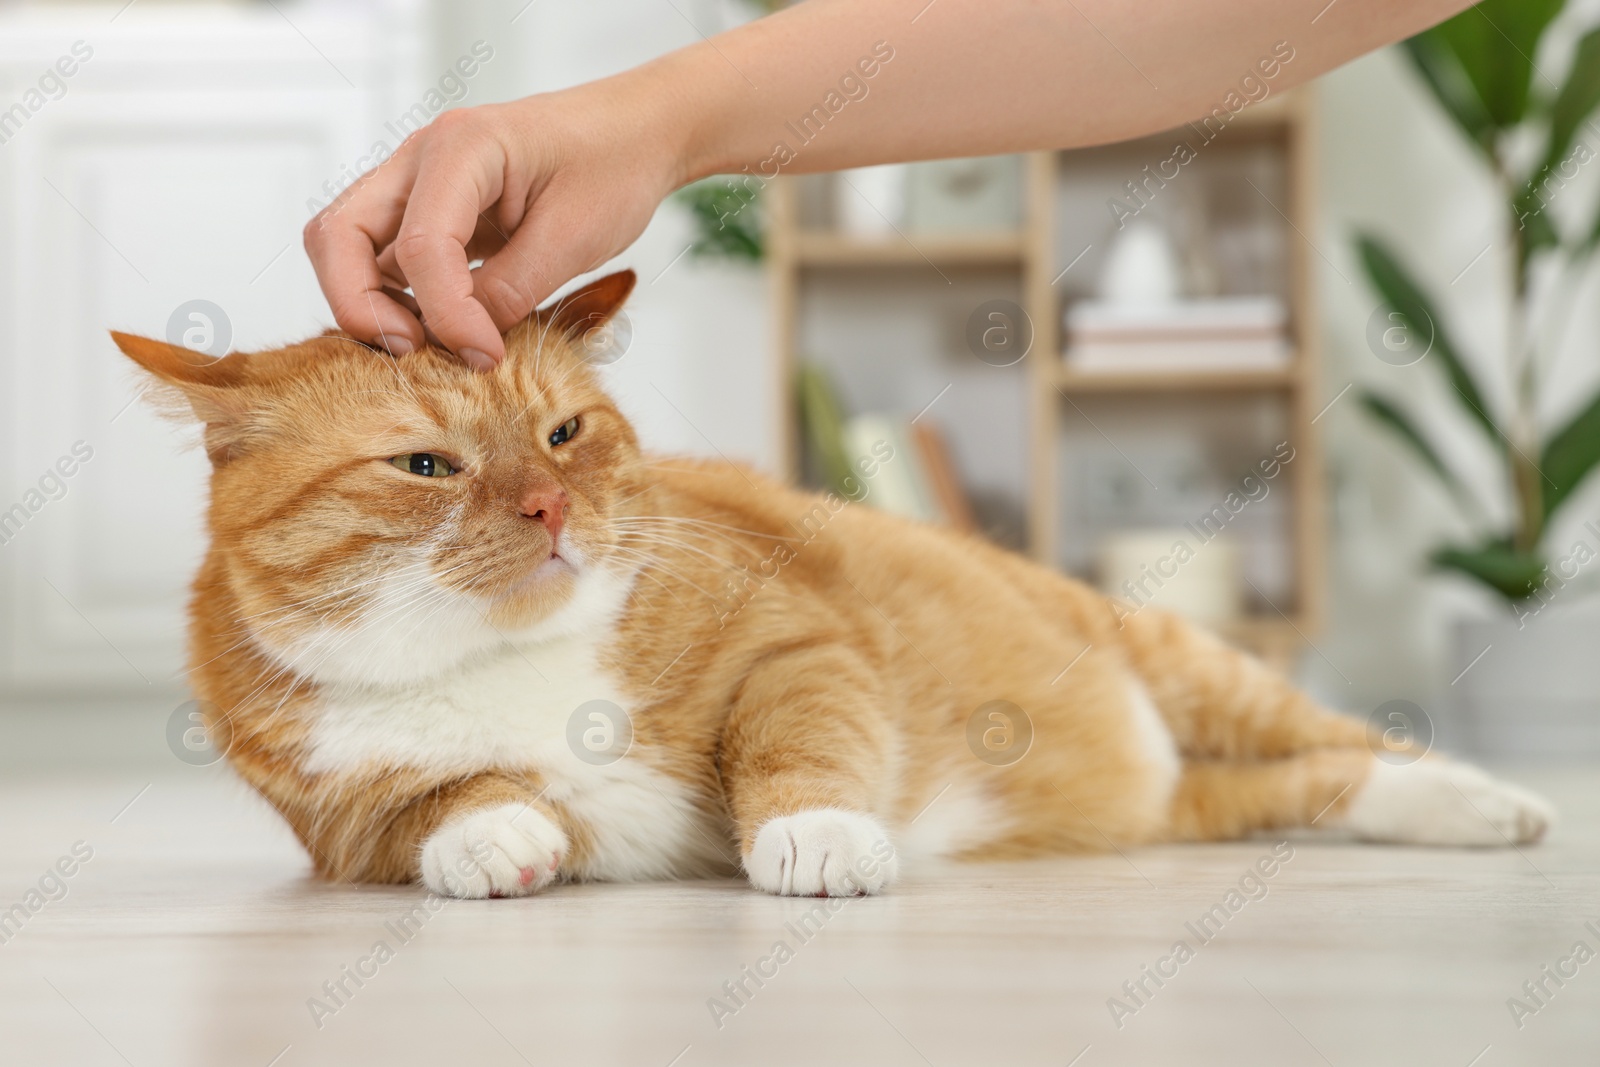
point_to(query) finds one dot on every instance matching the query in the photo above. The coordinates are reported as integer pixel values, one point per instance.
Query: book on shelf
(884, 460)
(821, 428)
(945, 483)
(1219, 334)
(880, 444)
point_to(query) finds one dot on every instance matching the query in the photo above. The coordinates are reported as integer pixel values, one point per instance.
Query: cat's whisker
(711, 536)
(652, 560)
(705, 540)
(659, 559)
(320, 604)
(638, 493)
(414, 593)
(306, 604)
(283, 615)
(718, 525)
(721, 553)
(432, 600)
(382, 575)
(646, 557)
(656, 562)
(731, 536)
(301, 613)
(644, 572)
(681, 546)
(398, 599)
(647, 575)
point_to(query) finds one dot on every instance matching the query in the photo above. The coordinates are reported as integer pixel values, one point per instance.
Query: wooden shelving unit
(1030, 256)
(834, 250)
(1070, 381)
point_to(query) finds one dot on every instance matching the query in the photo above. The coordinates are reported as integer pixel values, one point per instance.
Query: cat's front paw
(822, 852)
(506, 851)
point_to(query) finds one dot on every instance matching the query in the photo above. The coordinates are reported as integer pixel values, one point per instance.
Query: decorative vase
(871, 201)
(982, 195)
(1141, 268)
(1525, 687)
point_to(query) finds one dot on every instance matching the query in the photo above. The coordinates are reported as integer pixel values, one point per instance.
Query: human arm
(545, 188)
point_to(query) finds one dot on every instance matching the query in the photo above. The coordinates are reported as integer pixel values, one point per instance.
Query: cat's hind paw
(1437, 802)
(505, 851)
(822, 852)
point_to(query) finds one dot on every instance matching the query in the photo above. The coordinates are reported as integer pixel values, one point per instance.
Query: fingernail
(399, 346)
(475, 359)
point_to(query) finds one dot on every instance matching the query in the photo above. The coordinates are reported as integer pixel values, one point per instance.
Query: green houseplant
(727, 218)
(1481, 69)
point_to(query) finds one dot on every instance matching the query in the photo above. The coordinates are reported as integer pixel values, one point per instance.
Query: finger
(458, 177)
(342, 241)
(486, 241)
(393, 276)
(552, 247)
(436, 343)
(407, 301)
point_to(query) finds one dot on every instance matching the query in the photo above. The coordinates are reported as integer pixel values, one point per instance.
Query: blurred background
(1317, 369)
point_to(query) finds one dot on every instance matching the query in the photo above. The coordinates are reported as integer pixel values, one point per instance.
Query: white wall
(173, 164)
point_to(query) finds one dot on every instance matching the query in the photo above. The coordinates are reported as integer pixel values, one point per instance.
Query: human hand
(541, 189)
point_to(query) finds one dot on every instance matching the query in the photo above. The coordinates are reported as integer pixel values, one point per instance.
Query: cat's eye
(426, 464)
(567, 432)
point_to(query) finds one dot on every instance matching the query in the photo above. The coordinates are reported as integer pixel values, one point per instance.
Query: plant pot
(1525, 688)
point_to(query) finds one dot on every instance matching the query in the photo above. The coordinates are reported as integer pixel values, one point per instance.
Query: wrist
(686, 117)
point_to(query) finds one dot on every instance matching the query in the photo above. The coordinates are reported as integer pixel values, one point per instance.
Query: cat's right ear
(211, 389)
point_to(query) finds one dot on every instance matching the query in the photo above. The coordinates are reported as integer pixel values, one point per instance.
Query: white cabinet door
(176, 165)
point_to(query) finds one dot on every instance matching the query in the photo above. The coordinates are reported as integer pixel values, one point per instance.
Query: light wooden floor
(194, 937)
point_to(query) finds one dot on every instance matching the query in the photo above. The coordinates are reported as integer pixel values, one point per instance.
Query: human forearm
(978, 77)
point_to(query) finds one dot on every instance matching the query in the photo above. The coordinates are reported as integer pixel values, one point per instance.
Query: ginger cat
(459, 629)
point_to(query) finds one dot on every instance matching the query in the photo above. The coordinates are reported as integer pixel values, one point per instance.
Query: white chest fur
(503, 709)
(509, 708)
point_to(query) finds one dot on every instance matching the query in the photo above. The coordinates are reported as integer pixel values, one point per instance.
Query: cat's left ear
(212, 389)
(589, 307)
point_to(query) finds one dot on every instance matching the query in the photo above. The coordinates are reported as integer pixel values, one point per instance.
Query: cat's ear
(212, 390)
(593, 305)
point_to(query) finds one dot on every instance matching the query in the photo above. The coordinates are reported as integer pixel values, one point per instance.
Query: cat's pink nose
(546, 504)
